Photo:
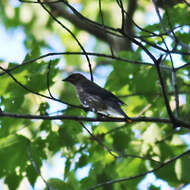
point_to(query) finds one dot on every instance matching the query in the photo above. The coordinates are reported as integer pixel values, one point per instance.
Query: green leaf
(67, 167)
(13, 154)
(59, 184)
(43, 108)
(67, 137)
(13, 181)
(152, 187)
(69, 95)
(121, 140)
(46, 125)
(82, 161)
(151, 28)
(181, 12)
(131, 167)
(123, 70)
(182, 169)
(31, 174)
(168, 174)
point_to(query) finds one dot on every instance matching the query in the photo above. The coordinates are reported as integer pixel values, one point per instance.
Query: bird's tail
(116, 111)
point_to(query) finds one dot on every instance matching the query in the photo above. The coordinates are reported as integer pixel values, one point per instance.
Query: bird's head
(74, 78)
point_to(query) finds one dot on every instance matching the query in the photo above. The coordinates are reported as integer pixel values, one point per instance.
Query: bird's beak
(65, 80)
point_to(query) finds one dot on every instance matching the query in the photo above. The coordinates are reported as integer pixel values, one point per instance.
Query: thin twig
(99, 142)
(48, 80)
(101, 12)
(47, 2)
(36, 93)
(120, 3)
(96, 24)
(114, 153)
(138, 44)
(72, 34)
(187, 3)
(108, 29)
(81, 53)
(174, 80)
(181, 67)
(140, 175)
(36, 167)
(85, 19)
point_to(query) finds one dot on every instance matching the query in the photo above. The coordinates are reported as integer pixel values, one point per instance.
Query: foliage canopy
(117, 43)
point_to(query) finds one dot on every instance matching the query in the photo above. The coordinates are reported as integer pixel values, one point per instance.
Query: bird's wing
(96, 90)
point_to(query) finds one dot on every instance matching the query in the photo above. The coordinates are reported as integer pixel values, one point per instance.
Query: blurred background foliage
(23, 142)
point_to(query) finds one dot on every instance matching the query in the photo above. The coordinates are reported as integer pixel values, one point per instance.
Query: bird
(96, 98)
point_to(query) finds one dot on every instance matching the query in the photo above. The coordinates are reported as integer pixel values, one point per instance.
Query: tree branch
(106, 119)
(80, 53)
(181, 67)
(36, 167)
(173, 36)
(132, 6)
(172, 118)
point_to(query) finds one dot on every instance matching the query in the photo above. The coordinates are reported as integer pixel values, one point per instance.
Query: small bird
(95, 98)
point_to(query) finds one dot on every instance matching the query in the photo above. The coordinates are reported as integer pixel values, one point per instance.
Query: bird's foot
(129, 120)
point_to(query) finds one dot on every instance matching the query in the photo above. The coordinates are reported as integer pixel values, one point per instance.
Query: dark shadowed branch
(164, 92)
(106, 119)
(80, 53)
(173, 36)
